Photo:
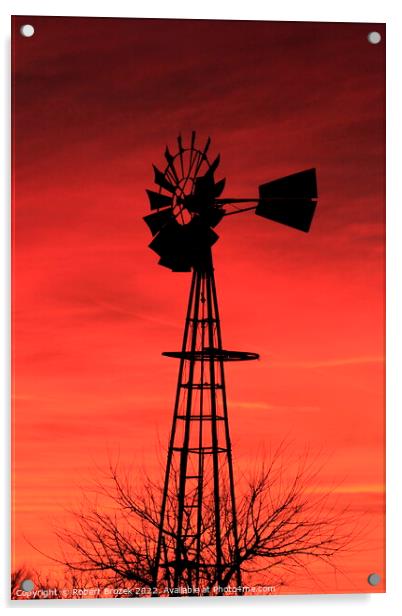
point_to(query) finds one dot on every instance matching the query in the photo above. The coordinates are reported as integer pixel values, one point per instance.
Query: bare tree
(283, 525)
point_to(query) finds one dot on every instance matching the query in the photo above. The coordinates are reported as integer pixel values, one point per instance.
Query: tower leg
(173, 432)
(227, 434)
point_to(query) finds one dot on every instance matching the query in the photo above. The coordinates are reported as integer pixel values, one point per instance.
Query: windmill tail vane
(198, 538)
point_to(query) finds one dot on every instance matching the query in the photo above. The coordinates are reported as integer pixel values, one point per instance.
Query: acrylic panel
(198, 320)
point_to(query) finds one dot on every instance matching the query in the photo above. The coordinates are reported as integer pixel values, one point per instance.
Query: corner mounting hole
(374, 579)
(27, 30)
(374, 38)
(27, 585)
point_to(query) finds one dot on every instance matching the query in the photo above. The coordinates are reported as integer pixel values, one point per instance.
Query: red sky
(95, 103)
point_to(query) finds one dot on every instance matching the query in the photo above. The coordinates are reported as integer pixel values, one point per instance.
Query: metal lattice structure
(198, 544)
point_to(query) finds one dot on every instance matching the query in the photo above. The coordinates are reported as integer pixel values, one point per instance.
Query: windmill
(198, 543)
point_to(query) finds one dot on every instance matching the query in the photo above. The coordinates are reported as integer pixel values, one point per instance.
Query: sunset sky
(95, 101)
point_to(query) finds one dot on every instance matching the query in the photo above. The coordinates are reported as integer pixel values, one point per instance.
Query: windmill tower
(198, 544)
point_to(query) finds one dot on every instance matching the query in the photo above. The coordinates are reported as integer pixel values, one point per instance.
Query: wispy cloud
(331, 363)
(366, 488)
(273, 407)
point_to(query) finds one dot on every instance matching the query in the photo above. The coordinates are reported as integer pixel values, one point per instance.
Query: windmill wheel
(185, 206)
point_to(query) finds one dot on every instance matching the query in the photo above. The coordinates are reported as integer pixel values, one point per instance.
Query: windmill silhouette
(198, 543)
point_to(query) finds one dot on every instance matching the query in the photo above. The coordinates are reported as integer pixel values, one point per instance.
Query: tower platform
(212, 354)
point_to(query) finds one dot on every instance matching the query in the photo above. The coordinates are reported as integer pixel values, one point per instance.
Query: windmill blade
(170, 161)
(166, 241)
(204, 187)
(201, 157)
(192, 144)
(169, 157)
(301, 185)
(206, 147)
(296, 213)
(219, 187)
(213, 167)
(158, 201)
(192, 139)
(159, 219)
(181, 150)
(161, 180)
